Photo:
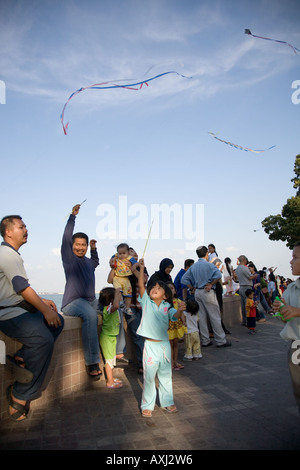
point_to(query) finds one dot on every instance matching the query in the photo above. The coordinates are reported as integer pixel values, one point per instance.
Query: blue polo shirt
(201, 273)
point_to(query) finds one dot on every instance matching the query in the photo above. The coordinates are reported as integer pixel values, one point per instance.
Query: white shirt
(191, 322)
(291, 295)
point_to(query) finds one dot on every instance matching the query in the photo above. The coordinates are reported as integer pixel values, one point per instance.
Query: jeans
(121, 340)
(87, 311)
(38, 339)
(133, 322)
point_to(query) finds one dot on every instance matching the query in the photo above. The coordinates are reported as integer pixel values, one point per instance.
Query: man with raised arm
(79, 298)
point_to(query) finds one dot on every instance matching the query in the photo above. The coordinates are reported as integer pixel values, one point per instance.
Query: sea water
(57, 299)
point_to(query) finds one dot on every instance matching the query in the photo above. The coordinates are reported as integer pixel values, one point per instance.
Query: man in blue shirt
(201, 279)
(79, 298)
(182, 291)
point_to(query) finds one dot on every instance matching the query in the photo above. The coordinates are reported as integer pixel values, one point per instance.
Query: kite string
(147, 239)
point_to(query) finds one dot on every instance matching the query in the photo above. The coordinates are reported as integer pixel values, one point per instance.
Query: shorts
(123, 283)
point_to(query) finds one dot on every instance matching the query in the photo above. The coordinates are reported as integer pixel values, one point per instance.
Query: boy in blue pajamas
(157, 306)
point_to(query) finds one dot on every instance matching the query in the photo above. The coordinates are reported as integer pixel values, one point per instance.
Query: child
(291, 312)
(176, 330)
(250, 311)
(192, 338)
(123, 265)
(110, 299)
(157, 307)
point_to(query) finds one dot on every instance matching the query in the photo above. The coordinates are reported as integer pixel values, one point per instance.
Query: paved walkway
(233, 398)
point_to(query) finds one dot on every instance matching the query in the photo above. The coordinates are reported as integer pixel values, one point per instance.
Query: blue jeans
(38, 339)
(133, 322)
(87, 311)
(121, 340)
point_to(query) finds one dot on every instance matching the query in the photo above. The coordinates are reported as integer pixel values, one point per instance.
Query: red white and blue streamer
(113, 84)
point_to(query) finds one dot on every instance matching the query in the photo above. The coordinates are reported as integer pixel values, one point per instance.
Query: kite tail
(100, 86)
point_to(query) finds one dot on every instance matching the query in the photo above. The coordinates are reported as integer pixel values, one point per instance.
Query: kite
(247, 31)
(112, 84)
(239, 146)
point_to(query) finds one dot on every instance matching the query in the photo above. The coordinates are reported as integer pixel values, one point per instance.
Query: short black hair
(7, 220)
(168, 292)
(123, 245)
(188, 263)
(201, 251)
(106, 296)
(192, 306)
(80, 235)
(248, 292)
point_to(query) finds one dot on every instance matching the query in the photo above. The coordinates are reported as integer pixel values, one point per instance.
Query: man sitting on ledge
(26, 317)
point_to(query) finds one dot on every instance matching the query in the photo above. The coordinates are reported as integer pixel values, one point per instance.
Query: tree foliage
(286, 226)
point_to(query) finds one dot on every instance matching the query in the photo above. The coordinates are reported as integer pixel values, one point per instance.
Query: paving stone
(237, 398)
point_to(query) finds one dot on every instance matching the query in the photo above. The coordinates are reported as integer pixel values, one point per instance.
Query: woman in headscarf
(165, 267)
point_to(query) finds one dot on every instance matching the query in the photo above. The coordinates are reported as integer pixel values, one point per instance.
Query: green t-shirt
(111, 322)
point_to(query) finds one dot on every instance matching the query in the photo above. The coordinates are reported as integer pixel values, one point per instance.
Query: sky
(143, 160)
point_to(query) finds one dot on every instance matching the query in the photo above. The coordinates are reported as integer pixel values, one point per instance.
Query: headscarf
(161, 275)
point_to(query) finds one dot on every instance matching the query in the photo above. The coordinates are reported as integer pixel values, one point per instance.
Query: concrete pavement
(236, 398)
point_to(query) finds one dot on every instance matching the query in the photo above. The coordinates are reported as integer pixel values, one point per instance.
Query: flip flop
(147, 413)
(115, 385)
(170, 409)
(21, 374)
(118, 381)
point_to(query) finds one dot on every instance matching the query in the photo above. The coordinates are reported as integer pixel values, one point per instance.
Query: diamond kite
(247, 31)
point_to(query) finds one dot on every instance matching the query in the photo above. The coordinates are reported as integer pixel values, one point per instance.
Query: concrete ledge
(67, 371)
(232, 314)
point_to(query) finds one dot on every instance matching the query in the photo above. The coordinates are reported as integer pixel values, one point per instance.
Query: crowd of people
(158, 311)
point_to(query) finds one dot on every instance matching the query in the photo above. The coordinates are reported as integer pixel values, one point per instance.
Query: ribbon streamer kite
(247, 31)
(239, 146)
(106, 85)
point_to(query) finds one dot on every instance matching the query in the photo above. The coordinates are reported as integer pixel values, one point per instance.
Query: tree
(286, 226)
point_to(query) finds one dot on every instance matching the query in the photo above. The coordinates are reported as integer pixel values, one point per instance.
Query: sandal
(178, 367)
(21, 410)
(94, 367)
(17, 368)
(118, 381)
(170, 409)
(115, 385)
(147, 413)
